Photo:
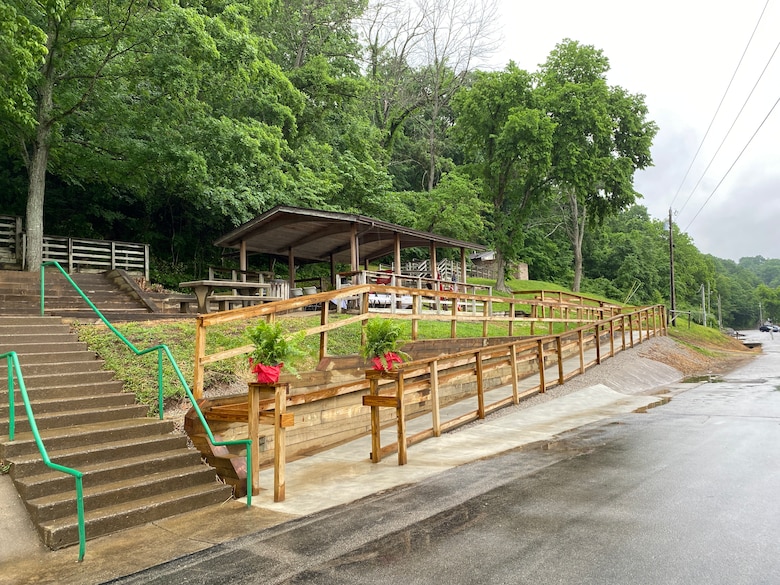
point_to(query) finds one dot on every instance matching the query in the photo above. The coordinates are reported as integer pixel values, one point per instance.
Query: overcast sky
(681, 54)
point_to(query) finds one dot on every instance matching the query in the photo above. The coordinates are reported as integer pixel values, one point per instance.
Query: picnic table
(246, 292)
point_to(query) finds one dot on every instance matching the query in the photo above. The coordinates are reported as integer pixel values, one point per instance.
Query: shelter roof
(315, 235)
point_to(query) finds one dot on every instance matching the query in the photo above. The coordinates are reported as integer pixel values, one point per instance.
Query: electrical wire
(742, 109)
(772, 109)
(722, 99)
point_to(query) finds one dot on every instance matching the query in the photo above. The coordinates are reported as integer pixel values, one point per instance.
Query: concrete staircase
(115, 297)
(136, 469)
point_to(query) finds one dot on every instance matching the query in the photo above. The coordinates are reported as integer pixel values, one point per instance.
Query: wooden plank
(382, 401)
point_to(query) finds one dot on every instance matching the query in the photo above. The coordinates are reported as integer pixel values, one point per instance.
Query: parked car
(765, 328)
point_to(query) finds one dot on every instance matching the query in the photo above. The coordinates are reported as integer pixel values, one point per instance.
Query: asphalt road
(685, 494)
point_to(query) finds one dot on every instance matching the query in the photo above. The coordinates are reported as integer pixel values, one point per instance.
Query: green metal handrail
(12, 361)
(160, 349)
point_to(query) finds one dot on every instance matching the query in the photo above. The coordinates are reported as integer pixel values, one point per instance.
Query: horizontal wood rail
(423, 305)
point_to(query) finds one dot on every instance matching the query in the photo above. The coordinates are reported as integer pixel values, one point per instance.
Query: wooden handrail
(445, 306)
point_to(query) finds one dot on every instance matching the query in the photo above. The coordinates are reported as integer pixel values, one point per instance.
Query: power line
(742, 109)
(722, 99)
(734, 163)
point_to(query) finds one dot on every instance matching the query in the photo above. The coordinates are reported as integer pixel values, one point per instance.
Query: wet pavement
(319, 525)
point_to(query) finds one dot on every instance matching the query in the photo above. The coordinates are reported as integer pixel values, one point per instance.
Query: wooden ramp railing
(423, 387)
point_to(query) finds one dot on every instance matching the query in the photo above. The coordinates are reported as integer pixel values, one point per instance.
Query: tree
(507, 138)
(157, 101)
(419, 53)
(602, 136)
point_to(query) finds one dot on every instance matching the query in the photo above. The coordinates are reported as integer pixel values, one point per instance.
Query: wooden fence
(74, 254)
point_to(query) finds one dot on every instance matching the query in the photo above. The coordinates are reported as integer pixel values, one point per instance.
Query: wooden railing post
(581, 343)
(540, 359)
(623, 330)
(559, 348)
(598, 344)
(435, 413)
(401, 414)
(324, 314)
(373, 390)
(200, 353)
(480, 387)
(611, 336)
(280, 440)
(513, 367)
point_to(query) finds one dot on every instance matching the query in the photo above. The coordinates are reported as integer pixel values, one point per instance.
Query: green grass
(705, 340)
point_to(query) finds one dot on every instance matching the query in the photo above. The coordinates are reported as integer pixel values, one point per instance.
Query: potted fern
(383, 342)
(272, 349)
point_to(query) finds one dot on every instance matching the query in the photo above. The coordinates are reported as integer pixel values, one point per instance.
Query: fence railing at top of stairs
(78, 254)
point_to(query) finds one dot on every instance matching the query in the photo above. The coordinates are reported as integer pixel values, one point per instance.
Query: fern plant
(383, 342)
(273, 346)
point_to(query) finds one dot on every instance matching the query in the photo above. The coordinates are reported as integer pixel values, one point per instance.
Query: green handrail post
(247, 443)
(13, 366)
(160, 405)
(11, 418)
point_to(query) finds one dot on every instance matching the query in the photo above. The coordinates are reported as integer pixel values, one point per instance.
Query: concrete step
(31, 322)
(79, 435)
(65, 378)
(97, 474)
(56, 368)
(45, 407)
(50, 348)
(51, 420)
(36, 337)
(9, 327)
(97, 454)
(66, 392)
(50, 507)
(64, 532)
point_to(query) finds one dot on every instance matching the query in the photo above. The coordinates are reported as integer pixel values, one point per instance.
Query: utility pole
(720, 316)
(703, 307)
(672, 302)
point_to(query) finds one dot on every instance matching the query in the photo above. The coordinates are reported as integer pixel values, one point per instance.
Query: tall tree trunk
(576, 232)
(501, 272)
(37, 174)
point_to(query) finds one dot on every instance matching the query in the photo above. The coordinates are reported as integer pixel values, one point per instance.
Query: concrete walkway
(335, 477)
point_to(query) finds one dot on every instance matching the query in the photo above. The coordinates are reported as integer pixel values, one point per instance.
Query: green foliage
(382, 337)
(273, 346)
(507, 138)
(22, 50)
